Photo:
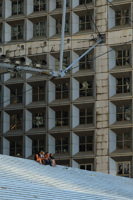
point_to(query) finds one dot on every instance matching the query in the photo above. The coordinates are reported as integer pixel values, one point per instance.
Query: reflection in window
(123, 141)
(85, 22)
(123, 85)
(121, 17)
(17, 32)
(86, 116)
(38, 145)
(16, 148)
(123, 169)
(39, 5)
(16, 122)
(62, 145)
(85, 143)
(62, 118)
(38, 93)
(122, 57)
(16, 96)
(62, 91)
(17, 7)
(39, 29)
(38, 120)
(86, 62)
(86, 89)
(123, 113)
(88, 167)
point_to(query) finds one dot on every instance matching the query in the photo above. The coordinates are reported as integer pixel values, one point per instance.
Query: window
(16, 121)
(17, 32)
(85, 22)
(85, 143)
(59, 3)
(122, 57)
(39, 5)
(38, 93)
(16, 96)
(123, 113)
(121, 17)
(62, 91)
(123, 141)
(122, 85)
(59, 26)
(84, 2)
(123, 169)
(1, 9)
(38, 145)
(86, 62)
(86, 116)
(62, 145)
(86, 89)
(16, 148)
(39, 29)
(38, 120)
(66, 62)
(61, 118)
(16, 75)
(17, 7)
(88, 167)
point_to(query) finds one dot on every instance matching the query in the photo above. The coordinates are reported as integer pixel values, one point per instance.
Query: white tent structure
(27, 179)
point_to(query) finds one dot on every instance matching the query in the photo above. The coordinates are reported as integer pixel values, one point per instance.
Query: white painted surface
(51, 118)
(28, 147)
(28, 94)
(111, 18)
(112, 164)
(75, 164)
(29, 7)
(75, 67)
(6, 122)
(75, 141)
(112, 113)
(75, 116)
(51, 91)
(112, 141)
(52, 26)
(28, 122)
(75, 27)
(8, 8)
(6, 96)
(112, 85)
(23, 179)
(29, 29)
(112, 58)
(51, 144)
(75, 89)
(7, 32)
(75, 3)
(6, 147)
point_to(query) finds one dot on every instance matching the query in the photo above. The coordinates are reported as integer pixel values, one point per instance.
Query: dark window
(85, 143)
(16, 96)
(86, 116)
(123, 141)
(88, 167)
(121, 17)
(123, 169)
(85, 22)
(62, 91)
(39, 5)
(17, 7)
(16, 148)
(86, 62)
(62, 118)
(62, 145)
(123, 113)
(38, 93)
(38, 145)
(86, 89)
(122, 57)
(17, 32)
(39, 29)
(38, 120)
(16, 121)
(123, 85)
(84, 2)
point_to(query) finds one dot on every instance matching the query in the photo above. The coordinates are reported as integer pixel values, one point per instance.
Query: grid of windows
(16, 148)
(86, 62)
(16, 121)
(62, 118)
(88, 166)
(85, 143)
(121, 17)
(62, 145)
(62, 91)
(123, 85)
(86, 89)
(123, 169)
(85, 22)
(17, 7)
(86, 116)
(39, 5)
(39, 29)
(38, 120)
(17, 32)
(38, 93)
(123, 113)
(122, 57)
(123, 141)
(38, 145)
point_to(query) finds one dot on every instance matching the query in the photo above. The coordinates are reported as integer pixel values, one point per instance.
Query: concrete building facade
(85, 118)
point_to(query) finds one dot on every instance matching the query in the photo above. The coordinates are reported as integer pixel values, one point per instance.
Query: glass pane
(126, 168)
(127, 145)
(82, 166)
(89, 147)
(120, 167)
(119, 145)
(89, 167)
(82, 147)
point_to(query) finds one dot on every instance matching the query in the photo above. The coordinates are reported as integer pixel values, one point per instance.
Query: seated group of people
(45, 158)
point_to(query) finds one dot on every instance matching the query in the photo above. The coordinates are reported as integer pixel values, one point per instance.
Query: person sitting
(47, 159)
(38, 158)
(52, 159)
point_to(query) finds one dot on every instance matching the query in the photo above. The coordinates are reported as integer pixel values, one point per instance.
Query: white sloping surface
(27, 179)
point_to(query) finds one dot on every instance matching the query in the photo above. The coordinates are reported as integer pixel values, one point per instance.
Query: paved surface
(27, 179)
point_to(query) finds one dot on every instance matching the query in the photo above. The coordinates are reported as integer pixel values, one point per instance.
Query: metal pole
(62, 34)
(63, 73)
